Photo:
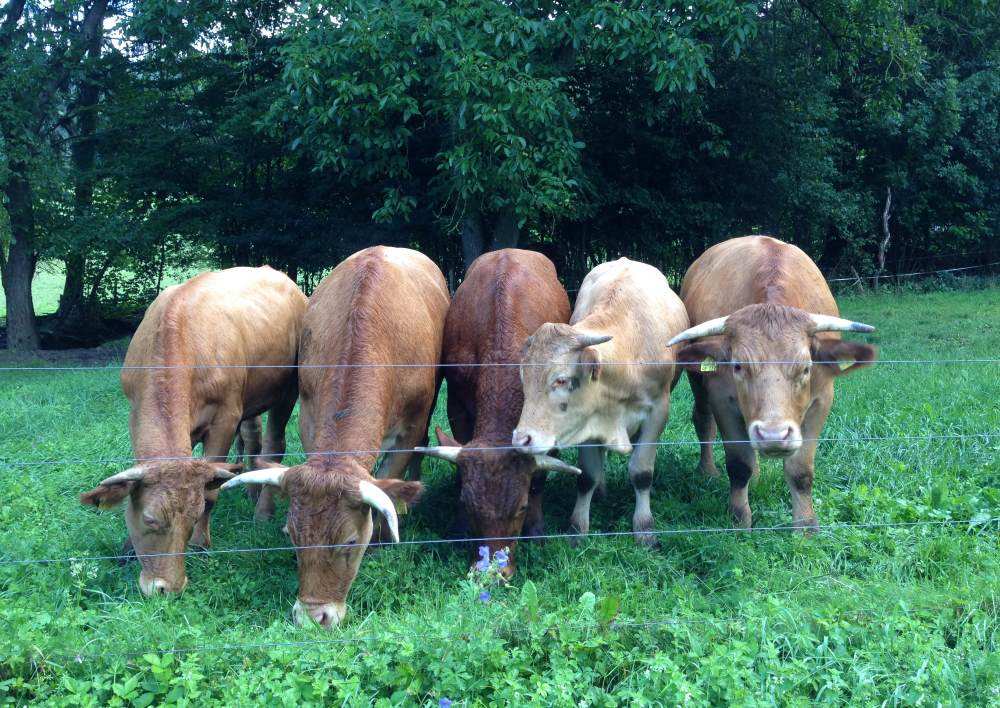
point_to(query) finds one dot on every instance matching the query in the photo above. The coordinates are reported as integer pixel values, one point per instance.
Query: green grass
(897, 615)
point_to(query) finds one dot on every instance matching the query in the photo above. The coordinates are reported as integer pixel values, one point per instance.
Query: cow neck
(161, 425)
(355, 415)
(499, 398)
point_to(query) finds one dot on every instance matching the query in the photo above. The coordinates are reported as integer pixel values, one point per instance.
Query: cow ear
(222, 472)
(701, 357)
(403, 494)
(840, 357)
(107, 496)
(444, 439)
(590, 363)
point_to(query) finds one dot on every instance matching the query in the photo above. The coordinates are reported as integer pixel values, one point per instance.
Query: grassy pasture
(901, 615)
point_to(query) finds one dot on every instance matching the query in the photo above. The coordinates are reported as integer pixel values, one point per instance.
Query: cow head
(496, 485)
(330, 523)
(773, 397)
(560, 372)
(164, 501)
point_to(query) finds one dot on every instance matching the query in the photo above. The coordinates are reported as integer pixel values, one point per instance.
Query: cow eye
(151, 521)
(738, 368)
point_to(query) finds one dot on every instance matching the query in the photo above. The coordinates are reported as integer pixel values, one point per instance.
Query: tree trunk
(884, 245)
(505, 232)
(472, 238)
(18, 268)
(71, 303)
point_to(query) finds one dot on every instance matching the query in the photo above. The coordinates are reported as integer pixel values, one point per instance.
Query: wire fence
(891, 276)
(974, 523)
(487, 448)
(506, 631)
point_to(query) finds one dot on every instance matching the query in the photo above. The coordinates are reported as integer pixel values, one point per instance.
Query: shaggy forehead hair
(759, 332)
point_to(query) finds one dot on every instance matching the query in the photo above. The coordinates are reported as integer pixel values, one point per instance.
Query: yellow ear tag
(400, 505)
(845, 364)
(708, 364)
(105, 506)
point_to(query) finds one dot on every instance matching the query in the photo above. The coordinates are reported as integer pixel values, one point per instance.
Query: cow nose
(780, 438)
(158, 586)
(521, 439)
(327, 615)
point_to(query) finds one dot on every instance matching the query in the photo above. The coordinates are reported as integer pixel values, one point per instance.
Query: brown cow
(756, 300)
(211, 328)
(505, 297)
(379, 308)
(604, 381)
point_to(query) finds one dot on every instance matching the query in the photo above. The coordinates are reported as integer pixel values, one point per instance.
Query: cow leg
(592, 465)
(799, 467)
(741, 465)
(273, 451)
(534, 521)
(640, 472)
(248, 445)
(217, 442)
(704, 425)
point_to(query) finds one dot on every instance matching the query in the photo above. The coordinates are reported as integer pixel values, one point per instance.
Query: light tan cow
(201, 341)
(604, 381)
(755, 300)
(381, 308)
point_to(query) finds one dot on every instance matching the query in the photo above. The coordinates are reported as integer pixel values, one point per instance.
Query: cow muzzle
(160, 586)
(532, 442)
(776, 438)
(327, 614)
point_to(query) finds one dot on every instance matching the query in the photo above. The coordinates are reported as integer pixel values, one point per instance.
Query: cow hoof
(575, 532)
(742, 518)
(807, 526)
(647, 540)
(127, 554)
(262, 517)
(709, 472)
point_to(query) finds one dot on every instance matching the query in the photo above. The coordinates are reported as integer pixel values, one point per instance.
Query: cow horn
(547, 462)
(442, 452)
(223, 474)
(590, 340)
(379, 500)
(828, 323)
(705, 329)
(268, 475)
(132, 474)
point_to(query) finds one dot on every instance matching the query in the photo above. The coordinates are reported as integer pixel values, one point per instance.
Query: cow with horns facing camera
(762, 357)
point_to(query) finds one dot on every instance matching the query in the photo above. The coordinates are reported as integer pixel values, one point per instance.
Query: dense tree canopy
(140, 135)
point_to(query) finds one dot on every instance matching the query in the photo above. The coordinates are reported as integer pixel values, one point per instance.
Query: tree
(469, 109)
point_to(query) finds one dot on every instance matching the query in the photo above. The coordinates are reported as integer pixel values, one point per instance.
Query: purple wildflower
(483, 564)
(501, 558)
(444, 703)
(484, 596)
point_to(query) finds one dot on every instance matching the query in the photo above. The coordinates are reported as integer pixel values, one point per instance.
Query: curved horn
(547, 462)
(379, 500)
(223, 474)
(585, 340)
(442, 452)
(132, 474)
(705, 329)
(827, 323)
(268, 475)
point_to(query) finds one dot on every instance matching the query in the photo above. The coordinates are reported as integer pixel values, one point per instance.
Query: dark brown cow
(755, 300)
(211, 329)
(505, 297)
(381, 307)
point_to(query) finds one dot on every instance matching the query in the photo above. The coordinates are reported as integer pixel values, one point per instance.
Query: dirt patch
(94, 356)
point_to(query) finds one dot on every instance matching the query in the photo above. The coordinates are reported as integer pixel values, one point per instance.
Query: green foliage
(857, 616)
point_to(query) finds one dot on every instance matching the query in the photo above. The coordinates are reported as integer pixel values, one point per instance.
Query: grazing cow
(605, 380)
(762, 310)
(379, 308)
(506, 295)
(204, 337)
